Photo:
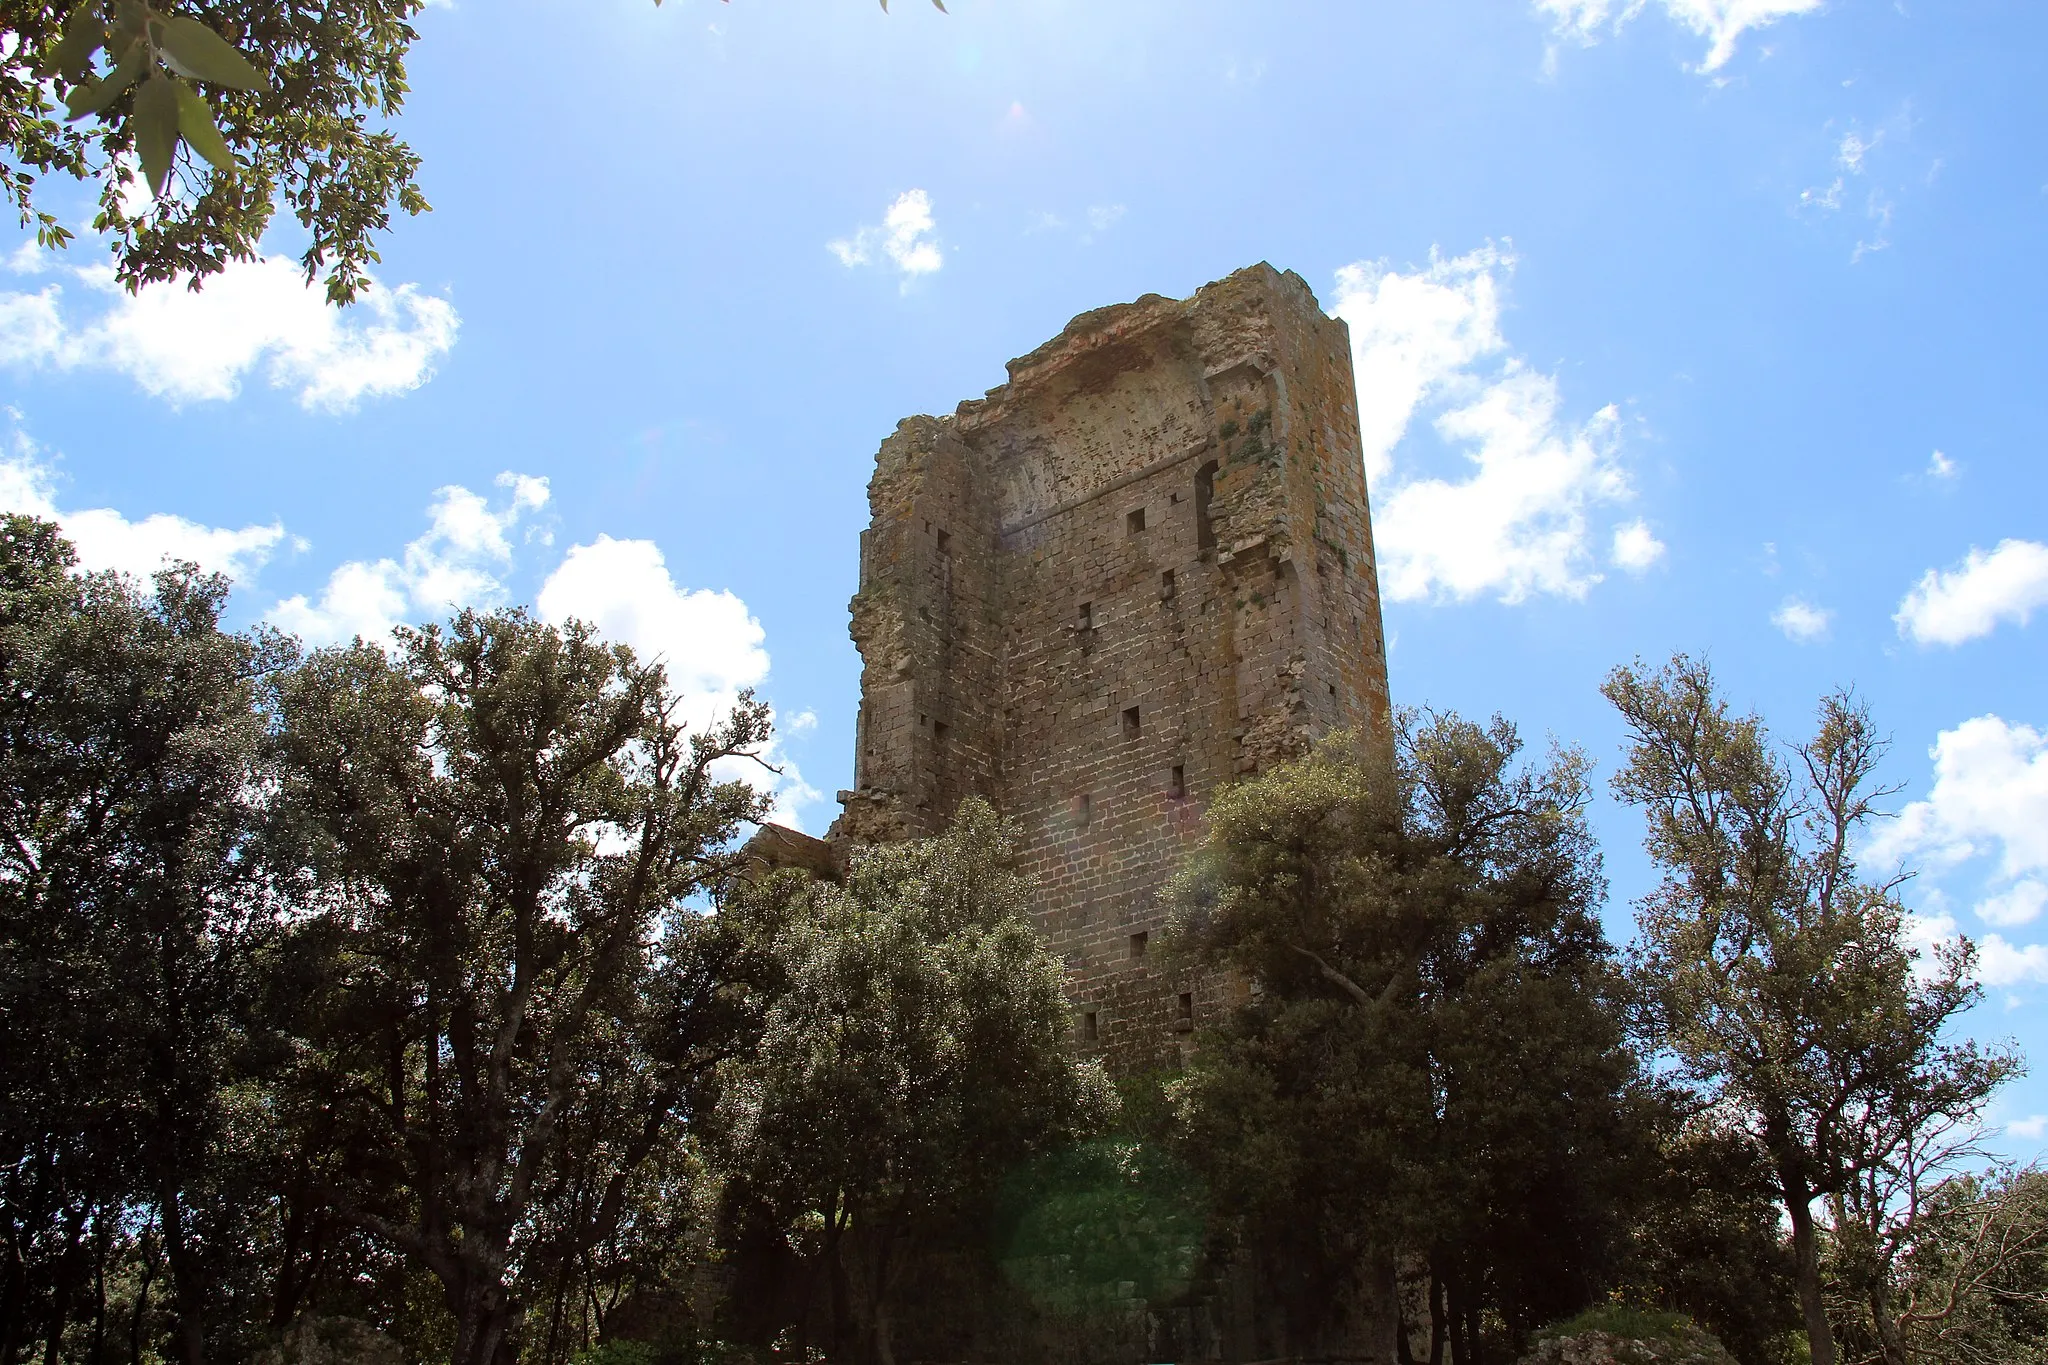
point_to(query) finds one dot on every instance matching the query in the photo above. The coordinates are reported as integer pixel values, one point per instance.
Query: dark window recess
(1177, 783)
(1166, 583)
(1333, 689)
(923, 719)
(1138, 945)
(1134, 521)
(1187, 1004)
(1205, 492)
(1085, 618)
(1130, 722)
(1084, 808)
(945, 543)
(1091, 1026)
(924, 613)
(1175, 499)
(939, 732)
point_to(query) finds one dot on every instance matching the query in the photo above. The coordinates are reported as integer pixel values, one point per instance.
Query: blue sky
(1684, 324)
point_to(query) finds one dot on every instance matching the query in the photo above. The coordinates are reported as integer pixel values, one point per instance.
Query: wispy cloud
(1801, 621)
(254, 318)
(906, 240)
(1516, 521)
(1721, 22)
(1952, 606)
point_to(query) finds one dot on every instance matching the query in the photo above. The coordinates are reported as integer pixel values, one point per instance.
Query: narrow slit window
(1138, 944)
(1166, 583)
(1084, 809)
(1091, 1026)
(939, 732)
(1134, 521)
(1085, 618)
(1187, 1004)
(1177, 782)
(945, 542)
(1205, 492)
(1130, 722)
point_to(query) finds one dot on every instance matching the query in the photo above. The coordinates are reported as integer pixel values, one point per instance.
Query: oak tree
(1782, 982)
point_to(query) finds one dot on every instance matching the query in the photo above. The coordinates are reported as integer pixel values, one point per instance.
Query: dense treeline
(415, 1004)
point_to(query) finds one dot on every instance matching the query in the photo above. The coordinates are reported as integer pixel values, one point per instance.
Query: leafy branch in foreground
(298, 96)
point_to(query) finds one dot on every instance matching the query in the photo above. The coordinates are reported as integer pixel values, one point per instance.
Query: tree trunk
(1461, 1347)
(1438, 1328)
(1806, 1253)
(1891, 1345)
(188, 1286)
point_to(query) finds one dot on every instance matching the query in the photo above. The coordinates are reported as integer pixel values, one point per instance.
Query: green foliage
(1623, 1320)
(516, 1006)
(915, 1056)
(1433, 1054)
(1782, 983)
(1093, 1226)
(134, 923)
(269, 101)
(618, 1353)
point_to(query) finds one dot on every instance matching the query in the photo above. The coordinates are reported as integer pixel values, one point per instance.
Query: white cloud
(2031, 1127)
(2020, 903)
(105, 539)
(2000, 964)
(1516, 523)
(1990, 796)
(707, 640)
(1414, 336)
(1950, 606)
(907, 237)
(1802, 622)
(1721, 22)
(1854, 147)
(1636, 547)
(458, 562)
(1940, 466)
(254, 317)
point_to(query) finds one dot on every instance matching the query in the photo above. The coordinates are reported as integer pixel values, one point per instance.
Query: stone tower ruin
(1139, 570)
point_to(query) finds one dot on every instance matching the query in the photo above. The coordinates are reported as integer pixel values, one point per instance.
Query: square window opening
(1130, 722)
(1138, 944)
(1134, 521)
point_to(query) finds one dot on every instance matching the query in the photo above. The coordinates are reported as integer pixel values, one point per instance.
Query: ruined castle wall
(1140, 570)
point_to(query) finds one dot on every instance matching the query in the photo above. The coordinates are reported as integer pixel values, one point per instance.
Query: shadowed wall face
(1139, 570)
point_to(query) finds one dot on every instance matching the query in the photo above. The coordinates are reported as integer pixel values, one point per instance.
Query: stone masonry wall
(1141, 569)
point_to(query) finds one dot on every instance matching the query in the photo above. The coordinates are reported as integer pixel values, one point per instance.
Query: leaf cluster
(279, 102)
